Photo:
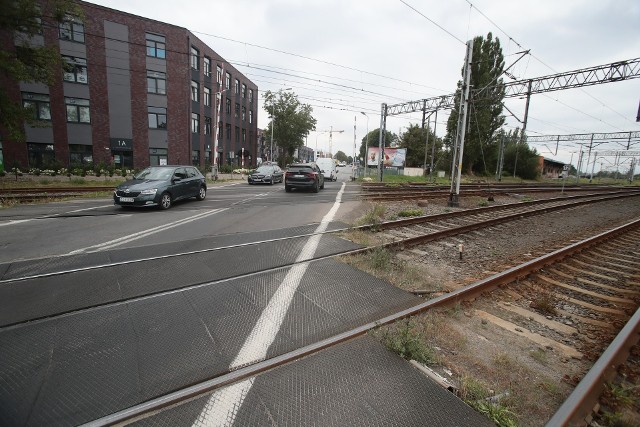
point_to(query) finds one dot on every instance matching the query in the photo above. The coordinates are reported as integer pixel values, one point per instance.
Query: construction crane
(330, 131)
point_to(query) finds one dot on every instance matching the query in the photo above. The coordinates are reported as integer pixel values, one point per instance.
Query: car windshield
(155, 173)
(265, 169)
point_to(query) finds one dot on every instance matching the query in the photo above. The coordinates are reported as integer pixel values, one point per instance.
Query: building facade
(138, 92)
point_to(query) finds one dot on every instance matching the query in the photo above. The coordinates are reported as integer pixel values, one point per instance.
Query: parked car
(266, 174)
(304, 175)
(328, 167)
(161, 186)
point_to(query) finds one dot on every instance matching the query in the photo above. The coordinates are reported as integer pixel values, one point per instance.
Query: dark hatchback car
(304, 175)
(266, 174)
(161, 186)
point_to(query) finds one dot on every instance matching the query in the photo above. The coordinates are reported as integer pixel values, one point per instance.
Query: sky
(347, 57)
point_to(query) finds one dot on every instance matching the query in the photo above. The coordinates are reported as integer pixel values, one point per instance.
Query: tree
(341, 156)
(374, 136)
(291, 122)
(21, 60)
(485, 112)
(415, 140)
(527, 164)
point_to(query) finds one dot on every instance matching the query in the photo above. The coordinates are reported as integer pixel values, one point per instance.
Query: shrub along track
(534, 339)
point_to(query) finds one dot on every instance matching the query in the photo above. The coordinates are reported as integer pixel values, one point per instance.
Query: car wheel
(202, 193)
(271, 182)
(322, 186)
(316, 187)
(165, 201)
(287, 189)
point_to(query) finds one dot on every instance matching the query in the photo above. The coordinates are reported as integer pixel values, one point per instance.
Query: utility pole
(500, 159)
(524, 126)
(383, 127)
(456, 167)
(433, 146)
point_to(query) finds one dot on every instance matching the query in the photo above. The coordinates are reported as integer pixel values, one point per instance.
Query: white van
(328, 167)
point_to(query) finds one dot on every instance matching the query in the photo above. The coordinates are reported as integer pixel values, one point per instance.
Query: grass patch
(374, 216)
(539, 355)
(380, 259)
(475, 393)
(410, 213)
(406, 339)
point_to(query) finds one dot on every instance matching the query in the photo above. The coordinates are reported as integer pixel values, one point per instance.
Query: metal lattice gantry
(608, 73)
(610, 136)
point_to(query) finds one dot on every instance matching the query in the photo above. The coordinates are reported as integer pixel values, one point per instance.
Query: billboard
(394, 157)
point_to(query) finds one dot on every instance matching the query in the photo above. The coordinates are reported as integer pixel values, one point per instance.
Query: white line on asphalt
(141, 234)
(19, 221)
(223, 405)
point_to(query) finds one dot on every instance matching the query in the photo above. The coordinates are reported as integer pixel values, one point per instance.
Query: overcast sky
(345, 57)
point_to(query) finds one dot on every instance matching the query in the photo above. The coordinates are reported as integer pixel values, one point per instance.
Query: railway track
(32, 194)
(453, 224)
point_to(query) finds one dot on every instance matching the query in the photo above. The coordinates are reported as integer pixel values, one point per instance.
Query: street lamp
(366, 144)
(273, 124)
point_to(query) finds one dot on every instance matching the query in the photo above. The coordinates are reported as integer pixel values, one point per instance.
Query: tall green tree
(341, 156)
(374, 141)
(291, 122)
(485, 112)
(415, 141)
(520, 157)
(23, 60)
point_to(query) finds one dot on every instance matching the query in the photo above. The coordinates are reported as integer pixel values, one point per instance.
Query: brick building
(141, 92)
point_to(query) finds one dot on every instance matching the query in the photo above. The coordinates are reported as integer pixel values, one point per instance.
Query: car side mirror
(322, 170)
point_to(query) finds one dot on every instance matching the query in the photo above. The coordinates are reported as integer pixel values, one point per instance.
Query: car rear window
(300, 168)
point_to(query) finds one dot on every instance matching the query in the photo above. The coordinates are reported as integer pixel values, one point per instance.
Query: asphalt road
(86, 225)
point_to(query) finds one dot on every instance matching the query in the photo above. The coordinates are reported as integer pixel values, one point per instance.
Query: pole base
(453, 201)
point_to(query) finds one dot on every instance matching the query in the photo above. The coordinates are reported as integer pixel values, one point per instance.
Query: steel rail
(577, 407)
(153, 406)
(54, 190)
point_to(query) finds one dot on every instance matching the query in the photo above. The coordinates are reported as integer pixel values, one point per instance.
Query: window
(75, 70)
(237, 110)
(40, 104)
(195, 58)
(237, 138)
(207, 96)
(244, 136)
(71, 29)
(156, 46)
(156, 82)
(220, 133)
(228, 106)
(158, 156)
(251, 95)
(40, 155)
(195, 91)
(250, 116)
(237, 87)
(195, 122)
(244, 113)
(157, 117)
(195, 158)
(218, 74)
(77, 110)
(227, 81)
(206, 66)
(244, 90)
(207, 125)
(80, 154)
(227, 129)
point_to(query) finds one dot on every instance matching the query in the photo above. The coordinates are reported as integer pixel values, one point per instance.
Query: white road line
(20, 221)
(141, 234)
(224, 404)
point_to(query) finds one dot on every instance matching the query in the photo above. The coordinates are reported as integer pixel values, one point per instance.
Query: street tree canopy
(291, 122)
(415, 141)
(24, 61)
(341, 156)
(374, 141)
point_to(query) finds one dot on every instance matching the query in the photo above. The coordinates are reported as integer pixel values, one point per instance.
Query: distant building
(550, 168)
(304, 154)
(141, 92)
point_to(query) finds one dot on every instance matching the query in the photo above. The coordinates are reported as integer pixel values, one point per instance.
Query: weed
(455, 311)
(499, 414)
(618, 396)
(374, 216)
(475, 394)
(483, 203)
(504, 361)
(539, 355)
(410, 212)
(78, 181)
(45, 182)
(616, 419)
(380, 259)
(406, 340)
(551, 388)
(545, 301)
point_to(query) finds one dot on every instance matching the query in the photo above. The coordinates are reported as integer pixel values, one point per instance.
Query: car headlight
(149, 192)
(267, 176)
